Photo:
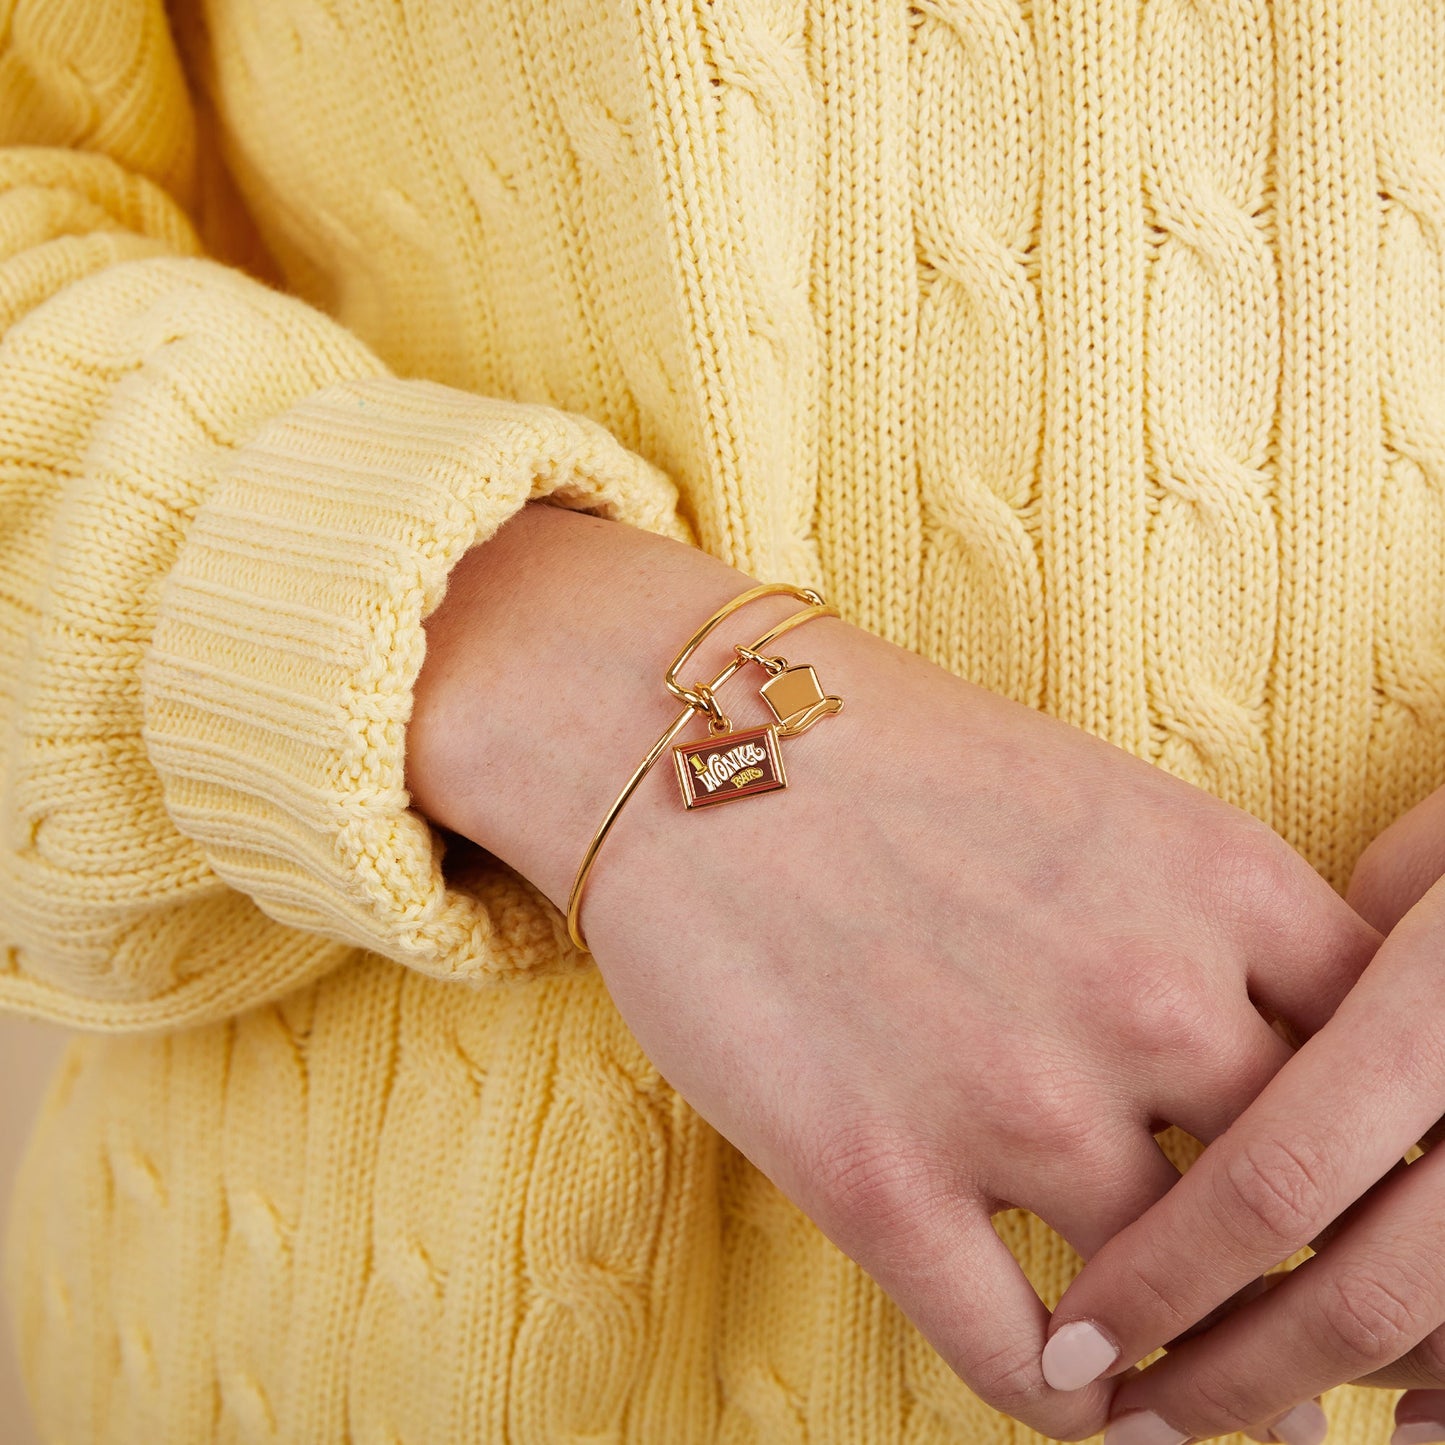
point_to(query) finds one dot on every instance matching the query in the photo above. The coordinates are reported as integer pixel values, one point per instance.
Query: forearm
(542, 687)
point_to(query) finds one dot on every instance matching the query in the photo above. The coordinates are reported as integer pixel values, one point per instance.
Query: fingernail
(1304, 1425)
(1418, 1432)
(1076, 1355)
(1143, 1427)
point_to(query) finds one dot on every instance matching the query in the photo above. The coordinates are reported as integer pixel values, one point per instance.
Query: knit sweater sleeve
(223, 521)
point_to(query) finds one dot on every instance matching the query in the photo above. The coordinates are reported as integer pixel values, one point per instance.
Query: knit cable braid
(1091, 348)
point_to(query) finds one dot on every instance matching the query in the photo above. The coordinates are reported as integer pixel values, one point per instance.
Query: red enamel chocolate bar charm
(734, 765)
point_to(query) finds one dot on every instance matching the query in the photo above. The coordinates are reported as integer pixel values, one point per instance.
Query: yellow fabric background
(1092, 349)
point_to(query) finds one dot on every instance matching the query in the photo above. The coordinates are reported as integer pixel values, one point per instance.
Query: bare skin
(1319, 1151)
(970, 958)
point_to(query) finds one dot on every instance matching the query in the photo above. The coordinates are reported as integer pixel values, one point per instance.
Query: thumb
(1401, 865)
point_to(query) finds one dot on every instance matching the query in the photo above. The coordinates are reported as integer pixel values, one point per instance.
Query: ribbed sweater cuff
(278, 683)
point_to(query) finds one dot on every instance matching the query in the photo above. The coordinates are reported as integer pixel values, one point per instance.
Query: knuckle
(1218, 1405)
(1169, 1011)
(1247, 874)
(875, 1182)
(1368, 1320)
(1153, 1280)
(1052, 1116)
(1428, 1358)
(1271, 1191)
(1011, 1380)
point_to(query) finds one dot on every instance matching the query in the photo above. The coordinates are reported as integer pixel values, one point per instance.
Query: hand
(970, 958)
(1368, 1306)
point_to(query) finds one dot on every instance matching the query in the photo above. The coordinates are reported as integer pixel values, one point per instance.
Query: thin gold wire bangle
(574, 902)
(763, 589)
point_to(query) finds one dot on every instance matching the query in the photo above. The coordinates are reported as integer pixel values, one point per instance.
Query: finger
(1320, 1240)
(1322, 947)
(1089, 1204)
(1400, 865)
(1347, 1216)
(1422, 1367)
(1372, 1297)
(1206, 1107)
(1335, 1117)
(1252, 1290)
(1244, 1054)
(1305, 1424)
(1295, 1427)
(1419, 1417)
(962, 1287)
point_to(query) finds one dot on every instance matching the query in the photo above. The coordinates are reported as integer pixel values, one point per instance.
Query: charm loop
(773, 665)
(717, 721)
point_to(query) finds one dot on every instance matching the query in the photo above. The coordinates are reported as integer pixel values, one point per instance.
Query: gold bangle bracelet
(753, 761)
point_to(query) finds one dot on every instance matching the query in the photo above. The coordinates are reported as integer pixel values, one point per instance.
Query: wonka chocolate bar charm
(735, 765)
(728, 764)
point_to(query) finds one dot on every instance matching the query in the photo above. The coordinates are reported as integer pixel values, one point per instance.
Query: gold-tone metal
(763, 589)
(769, 664)
(797, 699)
(797, 703)
(718, 721)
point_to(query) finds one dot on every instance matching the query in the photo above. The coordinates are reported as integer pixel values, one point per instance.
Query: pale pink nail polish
(1418, 1432)
(1304, 1425)
(1076, 1355)
(1143, 1427)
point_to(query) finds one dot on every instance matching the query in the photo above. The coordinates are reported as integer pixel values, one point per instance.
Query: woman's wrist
(542, 688)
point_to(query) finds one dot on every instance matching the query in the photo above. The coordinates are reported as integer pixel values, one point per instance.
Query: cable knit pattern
(866, 286)
(1331, 448)
(1406, 750)
(1093, 495)
(1092, 348)
(1211, 336)
(740, 209)
(979, 392)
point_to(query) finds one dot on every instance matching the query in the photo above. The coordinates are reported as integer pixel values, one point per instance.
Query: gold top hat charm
(797, 699)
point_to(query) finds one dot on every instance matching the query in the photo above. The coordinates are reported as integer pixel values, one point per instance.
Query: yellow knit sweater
(1093, 349)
